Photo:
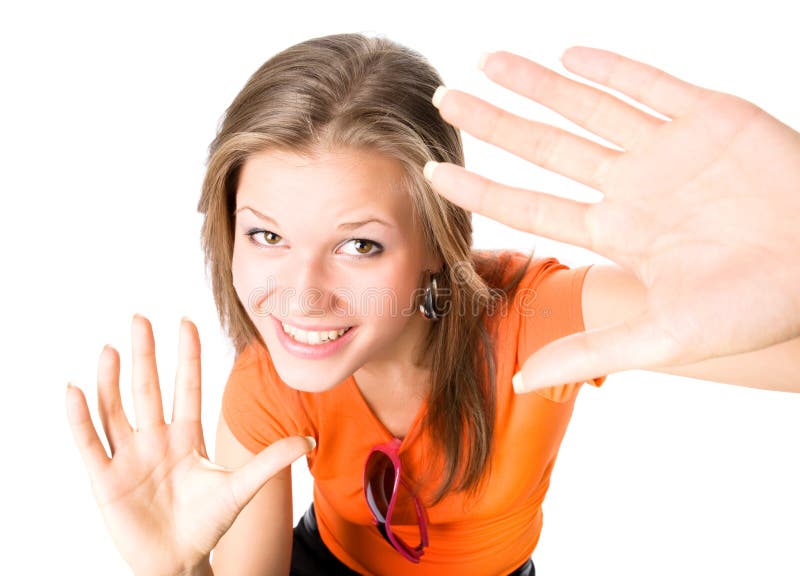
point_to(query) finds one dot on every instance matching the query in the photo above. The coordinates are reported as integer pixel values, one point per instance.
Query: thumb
(246, 481)
(579, 357)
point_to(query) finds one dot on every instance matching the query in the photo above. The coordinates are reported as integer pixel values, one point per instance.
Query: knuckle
(492, 127)
(533, 215)
(546, 88)
(599, 177)
(652, 81)
(544, 147)
(485, 194)
(593, 111)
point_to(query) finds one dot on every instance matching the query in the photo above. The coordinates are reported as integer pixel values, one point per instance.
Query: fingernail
(482, 60)
(69, 385)
(438, 95)
(519, 385)
(312, 442)
(185, 319)
(428, 170)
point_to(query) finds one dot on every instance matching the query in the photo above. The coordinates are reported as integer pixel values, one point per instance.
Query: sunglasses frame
(391, 450)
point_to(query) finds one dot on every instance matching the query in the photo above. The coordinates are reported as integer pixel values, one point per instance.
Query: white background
(106, 113)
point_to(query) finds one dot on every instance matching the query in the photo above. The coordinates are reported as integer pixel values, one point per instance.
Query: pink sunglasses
(381, 482)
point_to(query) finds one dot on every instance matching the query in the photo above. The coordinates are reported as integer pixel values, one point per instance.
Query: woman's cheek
(253, 289)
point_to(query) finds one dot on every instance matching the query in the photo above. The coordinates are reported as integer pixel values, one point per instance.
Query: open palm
(165, 504)
(700, 202)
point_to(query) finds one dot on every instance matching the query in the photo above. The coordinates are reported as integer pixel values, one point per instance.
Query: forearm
(774, 368)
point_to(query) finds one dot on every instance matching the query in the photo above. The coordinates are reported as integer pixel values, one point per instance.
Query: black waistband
(310, 556)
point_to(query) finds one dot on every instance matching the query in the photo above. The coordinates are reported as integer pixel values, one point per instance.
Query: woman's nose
(306, 287)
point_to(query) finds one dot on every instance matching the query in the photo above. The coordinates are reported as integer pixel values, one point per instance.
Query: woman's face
(329, 263)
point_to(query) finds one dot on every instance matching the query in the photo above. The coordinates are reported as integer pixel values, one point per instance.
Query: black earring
(428, 306)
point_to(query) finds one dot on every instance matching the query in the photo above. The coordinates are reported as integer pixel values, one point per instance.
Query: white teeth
(312, 337)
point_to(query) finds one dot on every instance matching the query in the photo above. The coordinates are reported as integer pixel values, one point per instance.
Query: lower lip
(311, 351)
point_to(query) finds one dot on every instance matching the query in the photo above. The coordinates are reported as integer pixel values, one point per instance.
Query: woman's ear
(434, 262)
(436, 267)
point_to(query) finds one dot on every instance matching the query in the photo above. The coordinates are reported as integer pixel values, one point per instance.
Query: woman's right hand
(165, 504)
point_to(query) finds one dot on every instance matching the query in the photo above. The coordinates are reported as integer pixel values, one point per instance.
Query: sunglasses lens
(380, 482)
(379, 476)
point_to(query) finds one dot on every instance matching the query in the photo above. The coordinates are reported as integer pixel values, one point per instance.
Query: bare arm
(612, 295)
(259, 542)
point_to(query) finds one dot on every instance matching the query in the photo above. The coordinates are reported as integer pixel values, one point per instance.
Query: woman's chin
(309, 380)
(309, 385)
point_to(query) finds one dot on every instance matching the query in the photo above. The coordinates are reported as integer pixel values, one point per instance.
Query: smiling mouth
(313, 337)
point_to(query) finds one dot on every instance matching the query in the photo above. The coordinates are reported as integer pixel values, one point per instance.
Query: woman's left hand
(701, 206)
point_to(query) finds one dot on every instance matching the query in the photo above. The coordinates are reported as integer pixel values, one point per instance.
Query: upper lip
(314, 328)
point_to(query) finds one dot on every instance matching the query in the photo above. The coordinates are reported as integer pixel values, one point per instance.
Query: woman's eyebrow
(360, 223)
(257, 213)
(342, 226)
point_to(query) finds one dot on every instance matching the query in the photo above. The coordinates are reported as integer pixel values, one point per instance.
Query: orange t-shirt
(493, 533)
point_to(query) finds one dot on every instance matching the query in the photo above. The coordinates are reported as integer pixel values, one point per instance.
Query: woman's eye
(361, 247)
(264, 237)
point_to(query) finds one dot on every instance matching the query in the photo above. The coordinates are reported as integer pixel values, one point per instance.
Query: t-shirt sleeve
(257, 406)
(549, 304)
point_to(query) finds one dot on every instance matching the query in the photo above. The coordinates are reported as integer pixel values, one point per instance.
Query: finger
(186, 407)
(651, 86)
(579, 357)
(83, 432)
(245, 482)
(109, 404)
(146, 390)
(593, 109)
(546, 146)
(549, 216)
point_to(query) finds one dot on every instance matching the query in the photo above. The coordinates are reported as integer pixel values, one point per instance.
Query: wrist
(202, 569)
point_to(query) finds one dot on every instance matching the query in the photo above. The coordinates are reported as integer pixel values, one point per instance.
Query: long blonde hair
(351, 91)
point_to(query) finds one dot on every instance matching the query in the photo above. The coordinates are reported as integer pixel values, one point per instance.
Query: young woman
(316, 177)
(364, 322)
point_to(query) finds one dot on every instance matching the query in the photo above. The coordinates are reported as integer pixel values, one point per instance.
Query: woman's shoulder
(535, 294)
(505, 269)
